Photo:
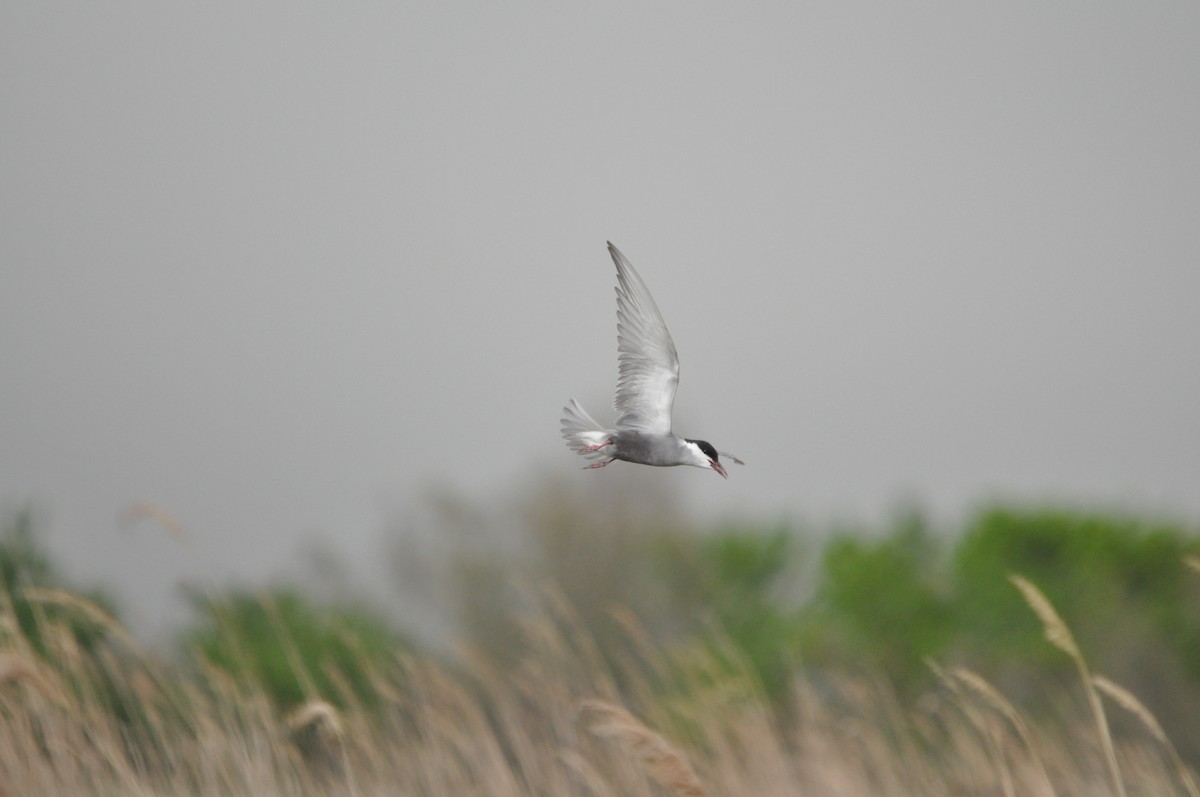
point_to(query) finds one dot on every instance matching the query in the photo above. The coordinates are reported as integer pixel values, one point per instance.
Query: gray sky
(281, 270)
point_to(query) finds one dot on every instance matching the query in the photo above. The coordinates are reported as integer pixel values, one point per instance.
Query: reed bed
(568, 719)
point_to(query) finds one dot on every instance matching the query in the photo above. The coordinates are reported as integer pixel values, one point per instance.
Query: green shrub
(291, 648)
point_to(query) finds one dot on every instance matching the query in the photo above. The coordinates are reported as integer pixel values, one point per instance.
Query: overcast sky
(281, 270)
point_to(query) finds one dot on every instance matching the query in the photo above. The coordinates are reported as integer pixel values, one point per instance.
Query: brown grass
(570, 719)
(1060, 636)
(1128, 701)
(670, 769)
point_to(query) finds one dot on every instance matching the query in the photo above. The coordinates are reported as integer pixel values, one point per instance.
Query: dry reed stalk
(454, 728)
(100, 618)
(315, 713)
(1126, 700)
(1000, 704)
(1054, 628)
(322, 717)
(96, 615)
(18, 668)
(1060, 636)
(584, 771)
(643, 662)
(978, 721)
(8, 625)
(895, 717)
(65, 654)
(149, 510)
(578, 637)
(12, 635)
(637, 633)
(668, 768)
(341, 689)
(746, 751)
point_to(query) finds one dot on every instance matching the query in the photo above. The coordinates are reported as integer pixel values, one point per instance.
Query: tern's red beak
(717, 467)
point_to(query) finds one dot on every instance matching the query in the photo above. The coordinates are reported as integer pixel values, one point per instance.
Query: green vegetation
(889, 604)
(907, 661)
(291, 649)
(25, 567)
(882, 604)
(1114, 579)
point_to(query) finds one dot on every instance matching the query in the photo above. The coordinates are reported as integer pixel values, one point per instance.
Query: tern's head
(705, 456)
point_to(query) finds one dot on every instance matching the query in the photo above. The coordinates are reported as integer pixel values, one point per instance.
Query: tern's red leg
(590, 449)
(599, 464)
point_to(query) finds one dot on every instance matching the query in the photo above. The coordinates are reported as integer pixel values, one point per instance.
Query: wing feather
(648, 366)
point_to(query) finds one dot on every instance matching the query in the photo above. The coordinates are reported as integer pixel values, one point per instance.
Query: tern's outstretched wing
(648, 367)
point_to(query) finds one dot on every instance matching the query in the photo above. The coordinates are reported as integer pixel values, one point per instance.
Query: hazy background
(285, 271)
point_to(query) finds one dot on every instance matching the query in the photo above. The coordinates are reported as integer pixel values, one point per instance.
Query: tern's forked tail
(582, 433)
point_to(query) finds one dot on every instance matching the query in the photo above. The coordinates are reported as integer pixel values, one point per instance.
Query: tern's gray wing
(648, 367)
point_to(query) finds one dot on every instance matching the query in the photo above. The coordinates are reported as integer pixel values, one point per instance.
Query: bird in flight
(647, 375)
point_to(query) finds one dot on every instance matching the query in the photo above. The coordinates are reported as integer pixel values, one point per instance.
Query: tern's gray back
(648, 449)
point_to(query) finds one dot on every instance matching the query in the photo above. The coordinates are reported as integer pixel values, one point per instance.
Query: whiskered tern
(647, 375)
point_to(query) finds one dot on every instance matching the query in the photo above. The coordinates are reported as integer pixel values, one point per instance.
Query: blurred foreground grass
(569, 719)
(913, 665)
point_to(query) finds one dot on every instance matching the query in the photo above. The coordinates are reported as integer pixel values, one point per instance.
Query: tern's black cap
(707, 448)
